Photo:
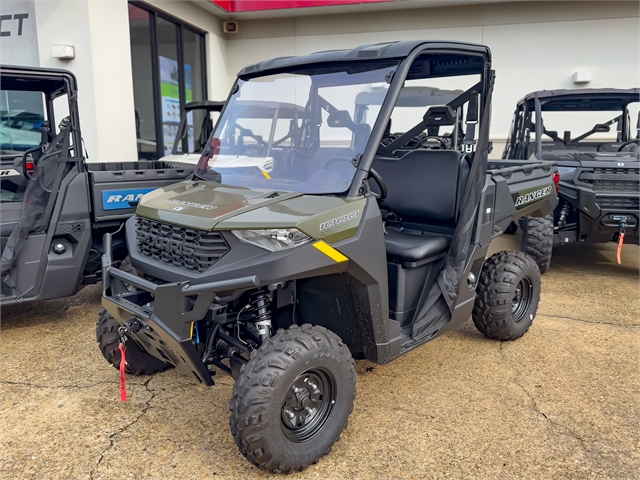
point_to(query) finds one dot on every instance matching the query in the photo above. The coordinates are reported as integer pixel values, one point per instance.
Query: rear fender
(524, 191)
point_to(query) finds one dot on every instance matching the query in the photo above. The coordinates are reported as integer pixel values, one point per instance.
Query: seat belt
(471, 122)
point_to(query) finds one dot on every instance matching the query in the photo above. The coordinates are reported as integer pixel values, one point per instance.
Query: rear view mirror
(339, 119)
(438, 116)
(601, 128)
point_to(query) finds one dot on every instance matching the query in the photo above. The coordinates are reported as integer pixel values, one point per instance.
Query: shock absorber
(259, 309)
(563, 215)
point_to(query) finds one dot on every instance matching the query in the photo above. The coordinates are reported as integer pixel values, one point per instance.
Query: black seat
(425, 189)
(414, 247)
(609, 147)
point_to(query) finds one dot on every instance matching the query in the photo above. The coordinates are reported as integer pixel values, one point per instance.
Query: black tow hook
(130, 327)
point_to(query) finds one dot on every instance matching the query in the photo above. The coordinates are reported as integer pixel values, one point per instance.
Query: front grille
(618, 202)
(612, 179)
(188, 248)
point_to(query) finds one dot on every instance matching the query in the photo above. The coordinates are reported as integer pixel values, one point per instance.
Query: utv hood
(202, 205)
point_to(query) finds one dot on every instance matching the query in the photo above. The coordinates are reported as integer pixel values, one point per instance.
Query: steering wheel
(628, 143)
(423, 142)
(378, 179)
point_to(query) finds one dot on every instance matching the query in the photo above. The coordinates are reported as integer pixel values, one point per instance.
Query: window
(21, 116)
(168, 66)
(140, 32)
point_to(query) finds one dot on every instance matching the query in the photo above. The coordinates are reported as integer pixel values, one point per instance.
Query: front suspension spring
(259, 312)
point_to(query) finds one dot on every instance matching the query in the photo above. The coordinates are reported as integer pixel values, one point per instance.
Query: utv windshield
(590, 123)
(589, 129)
(294, 131)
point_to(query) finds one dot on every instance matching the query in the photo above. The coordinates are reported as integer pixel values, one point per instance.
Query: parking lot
(561, 402)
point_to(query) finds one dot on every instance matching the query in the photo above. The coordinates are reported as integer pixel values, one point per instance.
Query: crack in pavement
(112, 437)
(33, 385)
(632, 325)
(594, 275)
(571, 433)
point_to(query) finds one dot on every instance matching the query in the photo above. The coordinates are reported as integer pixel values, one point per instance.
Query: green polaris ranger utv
(355, 243)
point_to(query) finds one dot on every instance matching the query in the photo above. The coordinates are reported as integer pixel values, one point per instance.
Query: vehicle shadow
(581, 258)
(595, 259)
(48, 311)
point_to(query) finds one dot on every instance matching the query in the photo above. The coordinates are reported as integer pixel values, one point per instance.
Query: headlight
(273, 239)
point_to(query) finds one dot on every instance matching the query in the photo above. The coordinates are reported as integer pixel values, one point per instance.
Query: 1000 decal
(334, 222)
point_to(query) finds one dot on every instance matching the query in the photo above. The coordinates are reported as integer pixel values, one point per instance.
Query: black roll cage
(401, 73)
(520, 130)
(208, 106)
(53, 83)
(397, 83)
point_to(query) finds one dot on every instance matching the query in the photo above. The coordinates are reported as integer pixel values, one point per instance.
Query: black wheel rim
(308, 404)
(521, 299)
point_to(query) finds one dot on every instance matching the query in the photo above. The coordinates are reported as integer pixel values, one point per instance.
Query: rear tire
(507, 296)
(537, 240)
(139, 362)
(293, 399)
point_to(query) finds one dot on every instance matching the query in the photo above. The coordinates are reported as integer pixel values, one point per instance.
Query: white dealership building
(138, 62)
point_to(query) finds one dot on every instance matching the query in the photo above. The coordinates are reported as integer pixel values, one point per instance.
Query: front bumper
(600, 215)
(165, 312)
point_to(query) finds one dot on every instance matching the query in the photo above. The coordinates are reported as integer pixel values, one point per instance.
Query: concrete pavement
(561, 402)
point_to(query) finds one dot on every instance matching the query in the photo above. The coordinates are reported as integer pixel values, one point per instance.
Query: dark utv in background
(599, 180)
(55, 206)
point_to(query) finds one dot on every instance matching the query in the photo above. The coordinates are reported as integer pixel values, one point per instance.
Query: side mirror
(601, 128)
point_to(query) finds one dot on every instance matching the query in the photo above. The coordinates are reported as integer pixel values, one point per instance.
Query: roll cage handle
(455, 104)
(594, 129)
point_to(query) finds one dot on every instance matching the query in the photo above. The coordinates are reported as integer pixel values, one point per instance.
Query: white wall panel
(543, 56)
(533, 48)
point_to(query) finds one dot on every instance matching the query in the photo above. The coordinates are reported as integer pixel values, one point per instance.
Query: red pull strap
(620, 242)
(123, 378)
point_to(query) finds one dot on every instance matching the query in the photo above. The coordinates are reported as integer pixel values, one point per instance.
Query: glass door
(168, 64)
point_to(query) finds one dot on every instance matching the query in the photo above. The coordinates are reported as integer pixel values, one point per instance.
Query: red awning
(257, 5)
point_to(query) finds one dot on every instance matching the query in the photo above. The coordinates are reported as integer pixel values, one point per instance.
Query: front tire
(507, 296)
(537, 240)
(139, 362)
(293, 399)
